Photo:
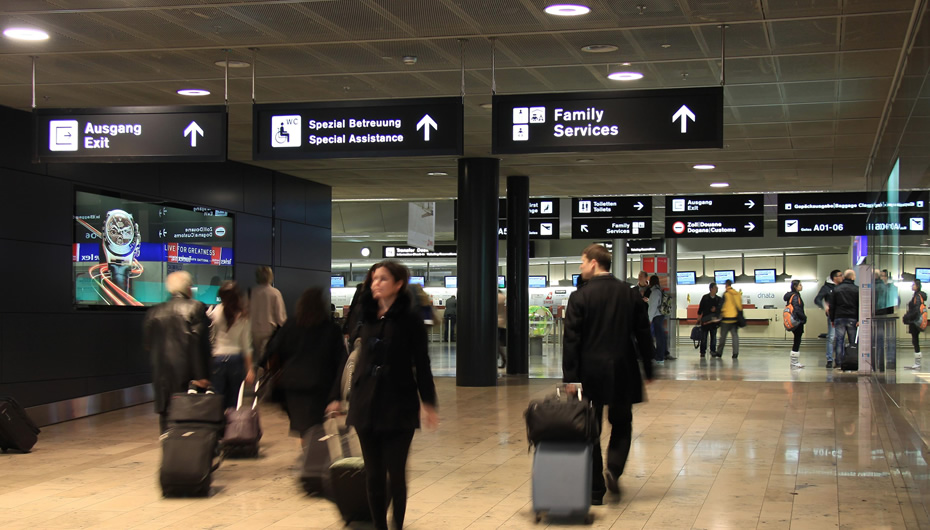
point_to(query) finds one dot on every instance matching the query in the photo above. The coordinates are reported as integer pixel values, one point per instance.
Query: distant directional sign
(131, 134)
(611, 227)
(852, 225)
(853, 213)
(349, 129)
(539, 229)
(714, 226)
(586, 207)
(681, 205)
(687, 118)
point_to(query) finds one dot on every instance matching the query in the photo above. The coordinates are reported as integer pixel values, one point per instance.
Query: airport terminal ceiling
(806, 83)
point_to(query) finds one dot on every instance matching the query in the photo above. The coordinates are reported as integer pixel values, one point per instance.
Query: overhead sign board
(350, 129)
(404, 251)
(714, 226)
(681, 205)
(686, 118)
(130, 134)
(539, 229)
(586, 207)
(639, 246)
(611, 227)
(852, 224)
(860, 202)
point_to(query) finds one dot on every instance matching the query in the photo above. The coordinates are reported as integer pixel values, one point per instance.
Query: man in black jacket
(822, 300)
(844, 313)
(709, 319)
(176, 335)
(606, 328)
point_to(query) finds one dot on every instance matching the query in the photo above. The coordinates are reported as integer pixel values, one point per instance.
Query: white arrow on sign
(584, 228)
(639, 205)
(750, 203)
(193, 130)
(684, 113)
(425, 123)
(750, 226)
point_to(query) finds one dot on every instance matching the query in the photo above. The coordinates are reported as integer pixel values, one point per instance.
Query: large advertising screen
(125, 247)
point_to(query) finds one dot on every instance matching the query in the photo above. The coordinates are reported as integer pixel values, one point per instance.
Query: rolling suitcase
(562, 479)
(243, 427)
(314, 469)
(347, 476)
(194, 406)
(187, 461)
(850, 360)
(17, 431)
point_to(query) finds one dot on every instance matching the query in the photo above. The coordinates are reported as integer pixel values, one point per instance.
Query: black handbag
(195, 407)
(740, 319)
(561, 418)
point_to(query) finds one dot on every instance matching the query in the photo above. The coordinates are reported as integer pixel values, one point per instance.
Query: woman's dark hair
(232, 302)
(653, 281)
(396, 270)
(794, 285)
(917, 283)
(311, 308)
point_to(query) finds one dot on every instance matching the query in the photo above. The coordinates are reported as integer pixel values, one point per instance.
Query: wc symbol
(282, 136)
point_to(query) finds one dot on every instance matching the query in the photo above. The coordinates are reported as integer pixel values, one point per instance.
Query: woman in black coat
(311, 352)
(391, 378)
(913, 312)
(794, 297)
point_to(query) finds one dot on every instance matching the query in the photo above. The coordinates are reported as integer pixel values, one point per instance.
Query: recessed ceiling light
(666, 45)
(486, 105)
(438, 174)
(568, 10)
(720, 185)
(232, 64)
(584, 160)
(366, 252)
(624, 64)
(25, 34)
(193, 92)
(704, 166)
(599, 48)
(624, 76)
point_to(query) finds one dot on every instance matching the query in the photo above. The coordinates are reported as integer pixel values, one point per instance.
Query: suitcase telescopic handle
(242, 393)
(558, 390)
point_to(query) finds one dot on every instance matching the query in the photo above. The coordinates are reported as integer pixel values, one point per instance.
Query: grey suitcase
(562, 479)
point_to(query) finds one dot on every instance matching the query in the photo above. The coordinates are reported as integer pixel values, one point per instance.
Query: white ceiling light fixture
(31, 34)
(624, 76)
(704, 166)
(567, 10)
(599, 48)
(232, 64)
(437, 174)
(366, 252)
(193, 92)
(486, 105)
(720, 185)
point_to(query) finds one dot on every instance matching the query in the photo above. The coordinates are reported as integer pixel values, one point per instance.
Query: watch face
(119, 230)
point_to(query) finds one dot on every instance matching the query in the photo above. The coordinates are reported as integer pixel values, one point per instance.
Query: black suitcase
(243, 427)
(561, 419)
(347, 477)
(196, 407)
(17, 431)
(187, 460)
(850, 362)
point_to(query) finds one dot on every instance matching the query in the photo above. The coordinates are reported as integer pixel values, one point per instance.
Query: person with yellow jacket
(732, 305)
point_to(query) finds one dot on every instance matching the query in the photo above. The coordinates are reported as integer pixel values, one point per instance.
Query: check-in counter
(760, 323)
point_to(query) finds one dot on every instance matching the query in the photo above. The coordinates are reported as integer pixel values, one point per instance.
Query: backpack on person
(921, 320)
(665, 306)
(788, 318)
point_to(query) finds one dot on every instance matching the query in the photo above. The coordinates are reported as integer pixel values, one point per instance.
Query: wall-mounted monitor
(419, 280)
(765, 275)
(720, 277)
(124, 247)
(686, 277)
(337, 281)
(923, 275)
(575, 278)
(501, 282)
(450, 282)
(539, 282)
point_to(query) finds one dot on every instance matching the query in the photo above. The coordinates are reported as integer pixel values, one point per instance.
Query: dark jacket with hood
(606, 326)
(845, 301)
(392, 374)
(176, 335)
(826, 290)
(798, 302)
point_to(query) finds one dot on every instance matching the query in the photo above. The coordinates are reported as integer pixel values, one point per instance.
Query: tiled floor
(719, 444)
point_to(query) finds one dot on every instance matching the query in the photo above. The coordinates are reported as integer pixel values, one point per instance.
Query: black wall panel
(38, 276)
(319, 205)
(51, 351)
(134, 179)
(290, 200)
(34, 207)
(253, 239)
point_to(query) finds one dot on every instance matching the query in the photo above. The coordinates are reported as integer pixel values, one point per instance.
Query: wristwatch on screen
(120, 238)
